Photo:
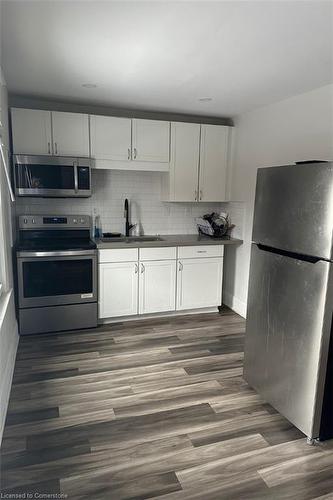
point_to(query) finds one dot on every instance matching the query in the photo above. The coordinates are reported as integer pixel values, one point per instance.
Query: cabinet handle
(129, 154)
(200, 198)
(136, 268)
(49, 148)
(142, 268)
(135, 153)
(56, 148)
(195, 195)
(180, 284)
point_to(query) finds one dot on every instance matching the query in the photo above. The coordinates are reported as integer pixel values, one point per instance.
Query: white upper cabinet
(31, 131)
(70, 134)
(150, 140)
(213, 163)
(184, 162)
(110, 139)
(198, 163)
(195, 156)
(38, 132)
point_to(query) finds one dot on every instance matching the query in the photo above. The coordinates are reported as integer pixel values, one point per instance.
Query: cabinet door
(31, 131)
(118, 289)
(157, 289)
(151, 140)
(110, 139)
(213, 163)
(199, 283)
(70, 134)
(184, 165)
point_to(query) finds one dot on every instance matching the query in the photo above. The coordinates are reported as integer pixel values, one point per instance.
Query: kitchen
(106, 326)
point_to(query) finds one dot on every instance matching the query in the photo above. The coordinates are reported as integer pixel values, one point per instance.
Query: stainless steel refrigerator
(288, 356)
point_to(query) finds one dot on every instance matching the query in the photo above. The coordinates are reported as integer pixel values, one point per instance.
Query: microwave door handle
(76, 179)
(28, 171)
(29, 177)
(19, 169)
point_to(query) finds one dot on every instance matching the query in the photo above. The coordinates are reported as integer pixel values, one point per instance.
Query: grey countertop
(170, 240)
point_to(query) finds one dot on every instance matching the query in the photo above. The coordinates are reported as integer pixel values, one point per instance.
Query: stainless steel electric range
(56, 273)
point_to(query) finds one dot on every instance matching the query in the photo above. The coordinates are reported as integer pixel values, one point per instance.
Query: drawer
(158, 253)
(118, 254)
(191, 252)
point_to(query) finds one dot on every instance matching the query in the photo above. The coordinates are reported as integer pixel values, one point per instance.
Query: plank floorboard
(155, 408)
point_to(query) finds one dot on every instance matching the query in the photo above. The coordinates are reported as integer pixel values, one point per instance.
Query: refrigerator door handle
(286, 253)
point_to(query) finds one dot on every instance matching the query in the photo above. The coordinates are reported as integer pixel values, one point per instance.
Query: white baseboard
(234, 303)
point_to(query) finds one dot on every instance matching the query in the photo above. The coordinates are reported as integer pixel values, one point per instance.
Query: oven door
(55, 278)
(52, 176)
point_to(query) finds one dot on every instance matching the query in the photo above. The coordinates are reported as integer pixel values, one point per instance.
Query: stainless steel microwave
(52, 176)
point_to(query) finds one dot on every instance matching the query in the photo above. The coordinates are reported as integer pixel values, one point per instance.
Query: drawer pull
(201, 251)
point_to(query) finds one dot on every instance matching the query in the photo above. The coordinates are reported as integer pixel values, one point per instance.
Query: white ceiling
(166, 55)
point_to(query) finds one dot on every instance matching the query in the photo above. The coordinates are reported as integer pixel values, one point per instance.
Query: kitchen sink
(132, 239)
(143, 238)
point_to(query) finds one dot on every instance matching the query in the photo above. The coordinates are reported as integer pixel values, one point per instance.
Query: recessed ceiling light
(89, 85)
(205, 99)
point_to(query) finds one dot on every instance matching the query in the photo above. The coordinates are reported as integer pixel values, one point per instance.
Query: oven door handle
(62, 253)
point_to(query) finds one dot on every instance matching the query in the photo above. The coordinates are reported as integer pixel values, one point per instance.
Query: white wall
(298, 128)
(8, 325)
(110, 188)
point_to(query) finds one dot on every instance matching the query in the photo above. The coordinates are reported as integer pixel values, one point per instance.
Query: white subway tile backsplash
(111, 187)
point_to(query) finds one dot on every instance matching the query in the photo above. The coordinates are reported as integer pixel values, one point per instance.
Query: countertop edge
(169, 241)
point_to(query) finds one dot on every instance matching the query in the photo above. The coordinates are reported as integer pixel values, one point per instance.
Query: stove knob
(25, 221)
(82, 221)
(74, 221)
(33, 221)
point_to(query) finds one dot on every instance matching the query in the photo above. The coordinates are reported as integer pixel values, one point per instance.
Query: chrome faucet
(128, 226)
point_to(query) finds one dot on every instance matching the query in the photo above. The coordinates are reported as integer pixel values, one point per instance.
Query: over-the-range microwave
(52, 176)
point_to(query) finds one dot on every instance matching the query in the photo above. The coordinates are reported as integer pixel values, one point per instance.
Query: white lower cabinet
(151, 280)
(157, 286)
(199, 283)
(118, 289)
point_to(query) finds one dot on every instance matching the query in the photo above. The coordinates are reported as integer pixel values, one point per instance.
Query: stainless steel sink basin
(132, 239)
(143, 238)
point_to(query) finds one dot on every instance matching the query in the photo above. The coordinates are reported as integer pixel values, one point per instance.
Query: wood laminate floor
(152, 409)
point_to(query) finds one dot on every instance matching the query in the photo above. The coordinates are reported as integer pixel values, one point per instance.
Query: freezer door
(287, 334)
(294, 208)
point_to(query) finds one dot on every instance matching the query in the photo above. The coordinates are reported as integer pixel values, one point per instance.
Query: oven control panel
(54, 222)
